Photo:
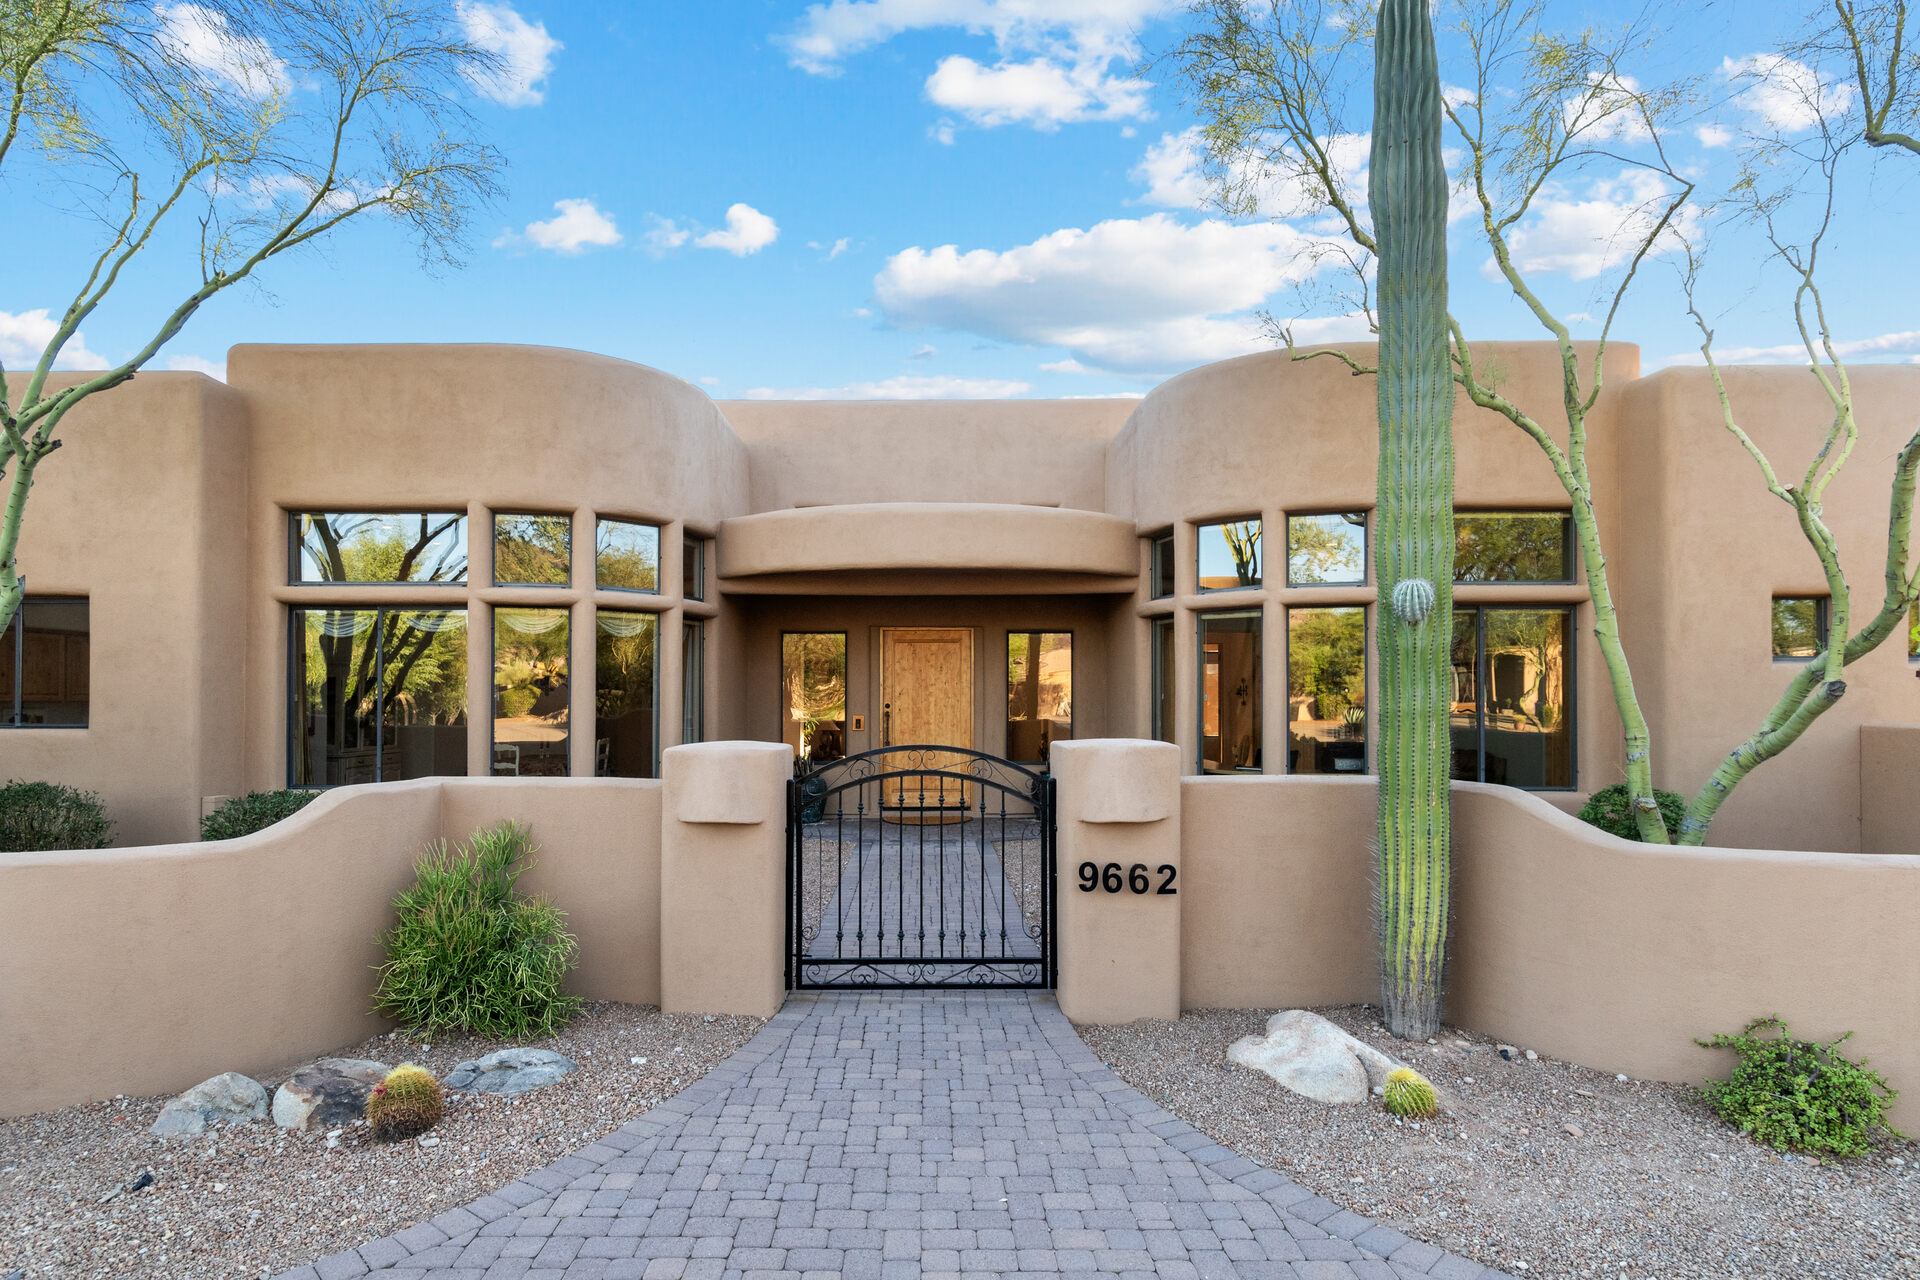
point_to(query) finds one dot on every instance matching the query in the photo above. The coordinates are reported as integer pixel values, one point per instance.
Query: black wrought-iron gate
(920, 867)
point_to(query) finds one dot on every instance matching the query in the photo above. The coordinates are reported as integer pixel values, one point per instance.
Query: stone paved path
(900, 1135)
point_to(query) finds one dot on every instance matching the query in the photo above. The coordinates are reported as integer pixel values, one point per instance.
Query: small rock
(511, 1071)
(329, 1092)
(1573, 1130)
(1314, 1058)
(229, 1098)
(638, 1062)
(1585, 1093)
(1468, 1079)
(428, 1140)
(1531, 1057)
(1619, 1079)
(1507, 1051)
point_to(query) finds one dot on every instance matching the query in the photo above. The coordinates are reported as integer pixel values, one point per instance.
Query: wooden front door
(926, 694)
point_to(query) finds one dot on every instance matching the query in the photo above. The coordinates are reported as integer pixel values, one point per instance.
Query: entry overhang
(883, 547)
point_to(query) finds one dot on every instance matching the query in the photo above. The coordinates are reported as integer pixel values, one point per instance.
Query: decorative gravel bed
(1542, 1168)
(253, 1199)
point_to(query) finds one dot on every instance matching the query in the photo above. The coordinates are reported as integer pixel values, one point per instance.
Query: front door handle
(886, 724)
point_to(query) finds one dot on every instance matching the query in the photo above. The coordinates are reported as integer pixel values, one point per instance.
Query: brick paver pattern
(901, 1134)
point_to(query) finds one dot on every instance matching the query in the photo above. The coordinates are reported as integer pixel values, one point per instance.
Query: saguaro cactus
(1413, 538)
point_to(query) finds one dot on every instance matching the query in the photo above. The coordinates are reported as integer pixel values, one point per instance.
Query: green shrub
(469, 953)
(1611, 810)
(517, 701)
(1799, 1095)
(37, 816)
(255, 811)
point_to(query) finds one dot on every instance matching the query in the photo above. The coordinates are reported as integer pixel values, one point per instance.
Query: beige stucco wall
(147, 970)
(1889, 780)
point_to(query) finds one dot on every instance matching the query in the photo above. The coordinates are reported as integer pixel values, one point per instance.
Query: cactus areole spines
(1413, 538)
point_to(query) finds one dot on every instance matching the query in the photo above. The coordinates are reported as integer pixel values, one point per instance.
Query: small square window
(1327, 551)
(1799, 627)
(1229, 554)
(1913, 633)
(626, 556)
(1160, 567)
(693, 569)
(532, 551)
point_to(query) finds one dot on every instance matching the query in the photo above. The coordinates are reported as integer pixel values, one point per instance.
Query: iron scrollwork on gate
(920, 866)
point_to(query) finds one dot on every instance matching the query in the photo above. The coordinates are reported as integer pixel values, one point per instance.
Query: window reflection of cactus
(1243, 541)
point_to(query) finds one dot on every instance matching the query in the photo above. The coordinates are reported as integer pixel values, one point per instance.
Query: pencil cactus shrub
(1409, 1094)
(406, 1104)
(1414, 535)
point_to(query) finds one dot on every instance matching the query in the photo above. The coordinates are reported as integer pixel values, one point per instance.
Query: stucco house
(367, 563)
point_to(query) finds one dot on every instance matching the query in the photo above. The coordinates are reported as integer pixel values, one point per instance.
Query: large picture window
(531, 693)
(355, 547)
(1512, 546)
(626, 669)
(1160, 646)
(1039, 693)
(532, 551)
(44, 665)
(1512, 697)
(1229, 554)
(626, 556)
(813, 694)
(379, 695)
(1230, 692)
(1327, 690)
(1327, 551)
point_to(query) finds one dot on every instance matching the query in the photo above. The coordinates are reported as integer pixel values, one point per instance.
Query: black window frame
(295, 545)
(658, 631)
(296, 643)
(693, 566)
(659, 543)
(1365, 526)
(1200, 616)
(1160, 631)
(1260, 576)
(1480, 679)
(1161, 564)
(693, 680)
(846, 652)
(1569, 555)
(17, 655)
(1073, 674)
(493, 550)
(1367, 745)
(1822, 618)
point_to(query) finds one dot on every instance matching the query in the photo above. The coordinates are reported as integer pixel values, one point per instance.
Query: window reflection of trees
(376, 685)
(1229, 555)
(813, 669)
(1327, 550)
(532, 550)
(1512, 692)
(1517, 547)
(1039, 693)
(352, 547)
(531, 691)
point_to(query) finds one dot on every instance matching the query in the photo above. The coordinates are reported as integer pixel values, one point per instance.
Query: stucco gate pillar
(723, 877)
(1119, 943)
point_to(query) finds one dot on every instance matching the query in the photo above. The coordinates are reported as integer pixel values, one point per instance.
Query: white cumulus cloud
(747, 231)
(904, 387)
(577, 226)
(203, 39)
(523, 51)
(1039, 92)
(1140, 295)
(1172, 173)
(1784, 95)
(198, 364)
(1582, 237)
(1902, 347)
(24, 337)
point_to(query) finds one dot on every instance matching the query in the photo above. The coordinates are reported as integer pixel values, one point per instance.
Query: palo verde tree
(247, 128)
(1413, 543)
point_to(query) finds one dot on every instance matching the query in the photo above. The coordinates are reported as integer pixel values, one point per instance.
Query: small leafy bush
(469, 952)
(255, 811)
(1799, 1095)
(1611, 810)
(39, 816)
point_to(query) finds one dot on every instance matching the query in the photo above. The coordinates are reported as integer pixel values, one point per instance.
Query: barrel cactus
(406, 1104)
(1413, 541)
(1408, 1093)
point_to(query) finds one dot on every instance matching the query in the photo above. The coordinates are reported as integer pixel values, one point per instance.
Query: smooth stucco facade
(168, 511)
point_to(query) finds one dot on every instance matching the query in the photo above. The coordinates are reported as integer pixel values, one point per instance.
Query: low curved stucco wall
(147, 970)
(1586, 947)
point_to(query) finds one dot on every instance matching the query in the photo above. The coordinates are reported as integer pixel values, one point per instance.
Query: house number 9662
(1134, 879)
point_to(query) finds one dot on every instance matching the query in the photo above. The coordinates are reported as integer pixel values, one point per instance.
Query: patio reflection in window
(813, 687)
(1512, 697)
(379, 695)
(530, 693)
(1229, 554)
(626, 556)
(1230, 691)
(532, 551)
(1327, 551)
(1039, 693)
(626, 722)
(1327, 690)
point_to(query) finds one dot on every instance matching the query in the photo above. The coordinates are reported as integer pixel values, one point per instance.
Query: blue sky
(920, 198)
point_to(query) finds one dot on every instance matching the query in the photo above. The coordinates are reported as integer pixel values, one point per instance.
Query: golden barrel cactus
(406, 1104)
(1409, 1094)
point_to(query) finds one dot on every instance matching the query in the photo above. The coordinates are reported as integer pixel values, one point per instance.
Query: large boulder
(327, 1093)
(1314, 1058)
(511, 1071)
(228, 1098)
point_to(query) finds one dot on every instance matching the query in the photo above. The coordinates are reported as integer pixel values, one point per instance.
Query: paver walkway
(899, 1135)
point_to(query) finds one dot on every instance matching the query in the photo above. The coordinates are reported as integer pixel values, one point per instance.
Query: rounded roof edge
(558, 355)
(971, 536)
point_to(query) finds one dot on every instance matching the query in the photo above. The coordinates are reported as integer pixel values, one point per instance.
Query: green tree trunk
(1413, 541)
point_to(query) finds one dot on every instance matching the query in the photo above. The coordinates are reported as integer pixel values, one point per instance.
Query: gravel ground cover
(1540, 1168)
(253, 1199)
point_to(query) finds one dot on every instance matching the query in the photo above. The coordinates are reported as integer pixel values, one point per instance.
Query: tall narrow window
(531, 693)
(1161, 658)
(378, 695)
(1512, 700)
(1039, 693)
(45, 665)
(813, 694)
(532, 551)
(1327, 551)
(693, 682)
(1160, 566)
(1229, 554)
(693, 569)
(1512, 546)
(626, 721)
(344, 546)
(1799, 627)
(1327, 690)
(1230, 692)
(626, 556)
